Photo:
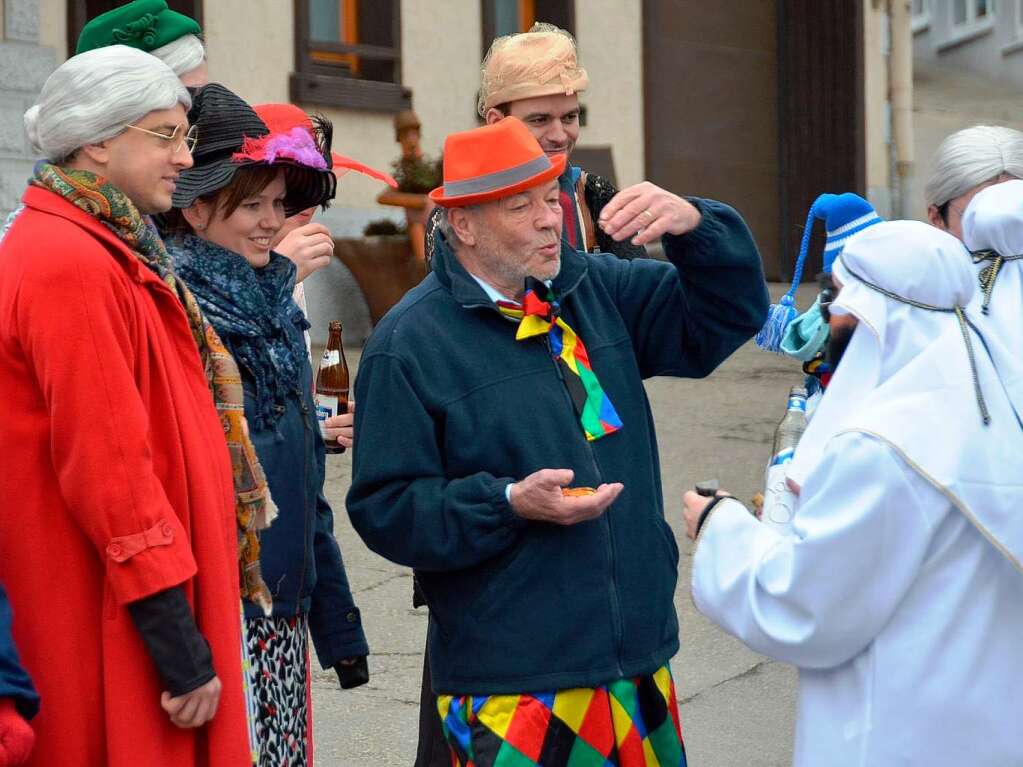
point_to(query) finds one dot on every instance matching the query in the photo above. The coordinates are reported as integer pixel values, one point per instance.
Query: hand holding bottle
(332, 390)
(341, 428)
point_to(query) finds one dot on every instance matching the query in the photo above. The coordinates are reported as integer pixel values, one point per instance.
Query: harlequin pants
(627, 723)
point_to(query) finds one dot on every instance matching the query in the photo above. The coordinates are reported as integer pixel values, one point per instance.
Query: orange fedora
(492, 162)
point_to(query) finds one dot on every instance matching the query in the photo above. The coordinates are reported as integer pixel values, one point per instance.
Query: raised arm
(686, 320)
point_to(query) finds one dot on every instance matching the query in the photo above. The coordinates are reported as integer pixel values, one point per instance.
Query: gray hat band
(490, 182)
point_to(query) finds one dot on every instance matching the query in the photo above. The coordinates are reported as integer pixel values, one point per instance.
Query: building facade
(25, 62)
(761, 104)
(981, 37)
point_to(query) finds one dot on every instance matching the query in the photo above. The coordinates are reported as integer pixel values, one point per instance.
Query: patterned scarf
(250, 308)
(254, 508)
(540, 317)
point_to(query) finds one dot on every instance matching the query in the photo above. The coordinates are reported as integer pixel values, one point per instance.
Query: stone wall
(24, 67)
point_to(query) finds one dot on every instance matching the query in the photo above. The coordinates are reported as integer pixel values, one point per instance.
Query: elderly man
(899, 594)
(118, 536)
(966, 162)
(525, 491)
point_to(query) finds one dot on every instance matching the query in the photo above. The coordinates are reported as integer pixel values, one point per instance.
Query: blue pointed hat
(843, 215)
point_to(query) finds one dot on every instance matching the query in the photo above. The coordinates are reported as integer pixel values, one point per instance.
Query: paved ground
(737, 707)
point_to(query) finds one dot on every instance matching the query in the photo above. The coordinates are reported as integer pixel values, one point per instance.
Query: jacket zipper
(305, 495)
(616, 612)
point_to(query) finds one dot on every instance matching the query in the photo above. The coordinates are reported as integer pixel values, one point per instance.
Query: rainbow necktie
(538, 318)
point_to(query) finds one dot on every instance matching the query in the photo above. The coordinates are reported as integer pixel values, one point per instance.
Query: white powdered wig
(182, 55)
(92, 96)
(971, 157)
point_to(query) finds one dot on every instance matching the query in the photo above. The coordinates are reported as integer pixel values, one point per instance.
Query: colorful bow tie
(538, 317)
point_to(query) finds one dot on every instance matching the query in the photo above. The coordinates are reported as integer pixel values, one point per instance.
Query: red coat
(116, 484)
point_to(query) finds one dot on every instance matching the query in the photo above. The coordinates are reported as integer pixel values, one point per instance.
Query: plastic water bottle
(779, 501)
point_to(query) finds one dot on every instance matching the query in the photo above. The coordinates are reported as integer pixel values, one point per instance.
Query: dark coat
(452, 409)
(300, 557)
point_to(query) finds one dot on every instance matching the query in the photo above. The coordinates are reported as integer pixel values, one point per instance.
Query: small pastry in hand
(575, 492)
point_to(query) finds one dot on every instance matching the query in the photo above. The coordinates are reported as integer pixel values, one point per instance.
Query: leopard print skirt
(279, 682)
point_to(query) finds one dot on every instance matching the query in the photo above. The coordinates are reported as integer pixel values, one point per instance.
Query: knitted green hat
(143, 24)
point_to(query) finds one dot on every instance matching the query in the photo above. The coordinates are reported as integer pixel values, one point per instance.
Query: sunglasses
(178, 139)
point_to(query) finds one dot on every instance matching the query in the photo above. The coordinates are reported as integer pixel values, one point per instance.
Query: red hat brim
(558, 163)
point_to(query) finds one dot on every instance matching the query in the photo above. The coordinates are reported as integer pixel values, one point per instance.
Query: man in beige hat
(535, 76)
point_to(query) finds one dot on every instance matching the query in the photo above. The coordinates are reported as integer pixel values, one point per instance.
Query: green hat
(143, 24)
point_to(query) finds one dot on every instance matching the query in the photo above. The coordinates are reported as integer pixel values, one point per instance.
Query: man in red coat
(118, 542)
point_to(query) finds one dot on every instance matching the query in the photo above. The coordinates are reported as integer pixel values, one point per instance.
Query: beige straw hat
(540, 62)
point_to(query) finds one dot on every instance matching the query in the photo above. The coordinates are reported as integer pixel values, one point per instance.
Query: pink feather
(295, 145)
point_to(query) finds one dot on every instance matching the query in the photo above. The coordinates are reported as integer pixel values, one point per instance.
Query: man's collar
(493, 293)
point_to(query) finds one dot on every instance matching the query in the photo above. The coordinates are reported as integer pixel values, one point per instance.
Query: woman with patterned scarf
(228, 207)
(119, 517)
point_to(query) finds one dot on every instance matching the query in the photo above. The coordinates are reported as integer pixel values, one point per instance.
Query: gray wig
(182, 55)
(91, 97)
(971, 157)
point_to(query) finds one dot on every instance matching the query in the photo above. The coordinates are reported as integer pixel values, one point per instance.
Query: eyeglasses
(945, 208)
(179, 138)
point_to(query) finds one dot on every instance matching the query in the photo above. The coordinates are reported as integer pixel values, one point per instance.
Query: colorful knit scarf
(251, 310)
(538, 317)
(254, 507)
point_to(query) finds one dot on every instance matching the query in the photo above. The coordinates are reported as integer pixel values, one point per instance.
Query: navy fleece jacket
(452, 409)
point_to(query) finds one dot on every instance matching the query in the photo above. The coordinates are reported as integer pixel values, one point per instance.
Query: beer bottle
(332, 385)
(779, 501)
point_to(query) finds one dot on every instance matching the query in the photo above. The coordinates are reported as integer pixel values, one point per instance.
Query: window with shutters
(348, 54)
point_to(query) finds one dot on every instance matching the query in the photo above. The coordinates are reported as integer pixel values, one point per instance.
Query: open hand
(644, 212)
(539, 497)
(310, 246)
(195, 708)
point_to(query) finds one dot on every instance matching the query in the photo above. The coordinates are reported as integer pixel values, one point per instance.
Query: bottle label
(779, 501)
(326, 407)
(330, 357)
(797, 403)
(783, 457)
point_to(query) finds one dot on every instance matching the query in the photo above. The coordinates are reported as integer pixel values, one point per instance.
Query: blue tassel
(778, 318)
(782, 313)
